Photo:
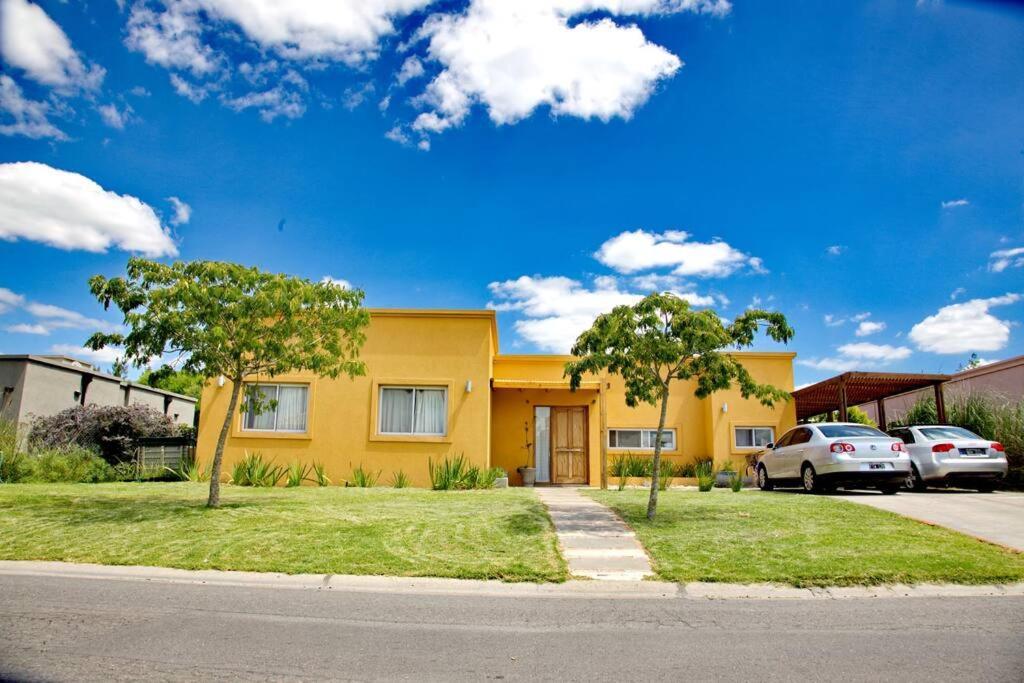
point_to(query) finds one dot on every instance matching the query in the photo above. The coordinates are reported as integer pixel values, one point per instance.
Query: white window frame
(644, 431)
(751, 428)
(277, 391)
(414, 388)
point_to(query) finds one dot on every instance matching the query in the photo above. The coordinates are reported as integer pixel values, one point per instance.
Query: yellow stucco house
(437, 385)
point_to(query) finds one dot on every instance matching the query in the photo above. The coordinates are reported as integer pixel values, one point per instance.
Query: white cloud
(114, 117)
(9, 299)
(25, 328)
(513, 57)
(1006, 258)
(965, 327)
(338, 282)
(182, 211)
(832, 320)
(953, 203)
(104, 356)
(869, 327)
(835, 250)
(411, 68)
(171, 38)
(557, 309)
(956, 293)
(639, 250)
(29, 118)
(876, 352)
(858, 356)
(192, 92)
(69, 211)
(397, 134)
(278, 101)
(55, 317)
(33, 42)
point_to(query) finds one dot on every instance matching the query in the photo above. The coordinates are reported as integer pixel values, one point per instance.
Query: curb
(658, 590)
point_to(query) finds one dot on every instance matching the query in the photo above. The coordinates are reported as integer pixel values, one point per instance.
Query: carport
(855, 388)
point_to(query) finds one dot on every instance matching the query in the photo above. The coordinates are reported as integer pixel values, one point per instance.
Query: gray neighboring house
(35, 386)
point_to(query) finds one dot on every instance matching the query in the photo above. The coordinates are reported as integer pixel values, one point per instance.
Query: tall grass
(189, 470)
(363, 478)
(667, 472)
(455, 473)
(253, 470)
(296, 473)
(705, 471)
(320, 474)
(400, 480)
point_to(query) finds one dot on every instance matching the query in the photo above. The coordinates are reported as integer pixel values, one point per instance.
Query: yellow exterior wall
(449, 348)
(402, 347)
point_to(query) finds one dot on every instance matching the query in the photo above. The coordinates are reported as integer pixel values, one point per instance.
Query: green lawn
(497, 534)
(802, 540)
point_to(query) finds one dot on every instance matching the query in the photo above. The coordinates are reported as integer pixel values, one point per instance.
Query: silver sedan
(942, 455)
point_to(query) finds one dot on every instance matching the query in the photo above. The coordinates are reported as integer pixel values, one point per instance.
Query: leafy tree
(660, 339)
(178, 381)
(224, 319)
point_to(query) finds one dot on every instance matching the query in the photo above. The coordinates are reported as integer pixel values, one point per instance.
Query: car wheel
(763, 482)
(914, 482)
(810, 479)
(889, 490)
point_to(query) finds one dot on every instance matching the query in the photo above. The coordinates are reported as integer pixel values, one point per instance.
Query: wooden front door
(569, 445)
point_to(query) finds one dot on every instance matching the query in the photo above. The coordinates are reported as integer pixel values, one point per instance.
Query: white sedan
(943, 455)
(822, 456)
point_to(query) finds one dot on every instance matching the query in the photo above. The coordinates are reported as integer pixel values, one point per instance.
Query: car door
(775, 459)
(794, 452)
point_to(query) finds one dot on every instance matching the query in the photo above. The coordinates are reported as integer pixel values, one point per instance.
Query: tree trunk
(218, 453)
(652, 502)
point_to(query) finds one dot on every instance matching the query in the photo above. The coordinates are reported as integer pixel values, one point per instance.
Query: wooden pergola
(856, 388)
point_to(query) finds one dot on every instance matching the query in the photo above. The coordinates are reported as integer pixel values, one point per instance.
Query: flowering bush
(112, 431)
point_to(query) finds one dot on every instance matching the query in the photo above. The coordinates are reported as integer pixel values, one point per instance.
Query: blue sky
(858, 166)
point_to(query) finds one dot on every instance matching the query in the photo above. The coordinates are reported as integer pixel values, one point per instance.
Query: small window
(905, 434)
(284, 409)
(413, 410)
(800, 436)
(641, 439)
(786, 439)
(754, 437)
(947, 432)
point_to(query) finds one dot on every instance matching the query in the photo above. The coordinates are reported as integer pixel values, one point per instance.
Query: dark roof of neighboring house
(84, 368)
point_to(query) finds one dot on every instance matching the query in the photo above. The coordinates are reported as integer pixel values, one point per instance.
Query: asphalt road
(59, 628)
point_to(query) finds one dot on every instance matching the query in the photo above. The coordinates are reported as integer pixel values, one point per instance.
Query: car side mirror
(770, 446)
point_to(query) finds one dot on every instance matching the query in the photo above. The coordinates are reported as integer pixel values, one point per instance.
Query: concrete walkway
(994, 517)
(595, 542)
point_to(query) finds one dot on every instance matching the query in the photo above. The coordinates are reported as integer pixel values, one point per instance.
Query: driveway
(996, 517)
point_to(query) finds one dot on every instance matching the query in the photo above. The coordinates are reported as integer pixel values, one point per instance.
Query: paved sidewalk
(994, 517)
(595, 542)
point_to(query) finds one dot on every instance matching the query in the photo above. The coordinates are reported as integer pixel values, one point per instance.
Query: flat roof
(82, 367)
(860, 387)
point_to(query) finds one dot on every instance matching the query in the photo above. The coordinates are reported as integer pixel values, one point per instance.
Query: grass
(802, 540)
(410, 532)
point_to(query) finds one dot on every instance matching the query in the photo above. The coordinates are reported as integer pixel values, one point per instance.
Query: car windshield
(933, 433)
(832, 431)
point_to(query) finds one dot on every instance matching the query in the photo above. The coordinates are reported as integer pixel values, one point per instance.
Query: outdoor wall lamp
(469, 386)
(725, 407)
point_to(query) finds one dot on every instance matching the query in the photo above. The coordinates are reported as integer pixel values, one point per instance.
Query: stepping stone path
(595, 542)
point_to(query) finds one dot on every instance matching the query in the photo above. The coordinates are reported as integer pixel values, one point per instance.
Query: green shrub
(363, 478)
(320, 474)
(72, 464)
(189, 470)
(705, 472)
(127, 471)
(400, 480)
(112, 431)
(14, 467)
(736, 482)
(296, 473)
(687, 470)
(667, 472)
(448, 474)
(253, 470)
(727, 466)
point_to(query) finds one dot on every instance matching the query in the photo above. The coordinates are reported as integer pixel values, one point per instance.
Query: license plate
(876, 465)
(974, 451)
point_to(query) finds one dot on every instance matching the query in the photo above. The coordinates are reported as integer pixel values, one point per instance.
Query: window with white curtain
(754, 437)
(284, 409)
(641, 439)
(413, 410)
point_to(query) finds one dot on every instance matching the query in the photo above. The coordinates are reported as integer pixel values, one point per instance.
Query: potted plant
(500, 481)
(527, 472)
(725, 474)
